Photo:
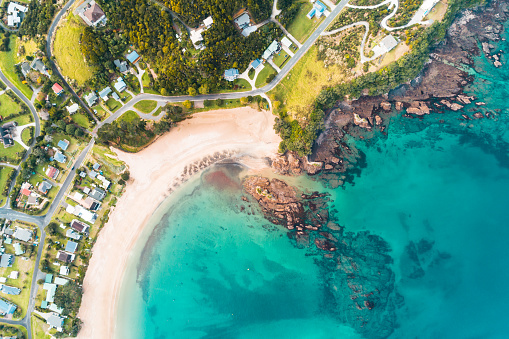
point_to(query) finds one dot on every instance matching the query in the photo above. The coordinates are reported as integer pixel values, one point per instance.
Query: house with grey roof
(25, 68)
(44, 187)
(91, 98)
(98, 194)
(10, 290)
(104, 93)
(65, 257)
(38, 65)
(79, 227)
(23, 234)
(121, 65)
(6, 260)
(72, 234)
(55, 321)
(71, 246)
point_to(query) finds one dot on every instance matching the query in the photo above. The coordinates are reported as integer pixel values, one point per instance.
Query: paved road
(36, 120)
(42, 221)
(236, 95)
(54, 67)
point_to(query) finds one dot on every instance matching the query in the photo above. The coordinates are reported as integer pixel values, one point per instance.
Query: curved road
(54, 67)
(42, 221)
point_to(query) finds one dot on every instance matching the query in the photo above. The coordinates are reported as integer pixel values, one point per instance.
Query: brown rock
(386, 106)
(399, 105)
(378, 120)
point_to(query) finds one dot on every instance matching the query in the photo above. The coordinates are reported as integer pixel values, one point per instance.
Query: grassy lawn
(7, 62)
(81, 119)
(113, 105)
(158, 111)
(251, 73)
(146, 106)
(26, 270)
(8, 106)
(150, 90)
(27, 135)
(125, 95)
(281, 58)
(302, 27)
(12, 331)
(128, 116)
(264, 73)
(40, 328)
(13, 153)
(306, 80)
(101, 113)
(67, 51)
(5, 174)
(30, 47)
(145, 79)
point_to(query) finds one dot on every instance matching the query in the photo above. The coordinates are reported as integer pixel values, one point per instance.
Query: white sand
(153, 171)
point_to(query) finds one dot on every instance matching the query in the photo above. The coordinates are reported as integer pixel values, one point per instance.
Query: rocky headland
(357, 267)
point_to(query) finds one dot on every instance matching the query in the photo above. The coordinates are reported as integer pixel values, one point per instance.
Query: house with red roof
(57, 89)
(52, 172)
(25, 189)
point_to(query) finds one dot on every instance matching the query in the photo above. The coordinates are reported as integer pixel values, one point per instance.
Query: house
(85, 214)
(96, 166)
(73, 108)
(274, 47)
(121, 65)
(18, 249)
(23, 234)
(52, 172)
(25, 189)
(6, 260)
(7, 133)
(55, 321)
(104, 93)
(91, 98)
(65, 257)
(256, 63)
(208, 22)
(44, 187)
(71, 246)
(64, 270)
(90, 204)
(120, 85)
(92, 14)
(38, 65)
(98, 194)
(6, 307)
(231, 74)
(72, 234)
(115, 96)
(92, 174)
(61, 281)
(133, 57)
(63, 144)
(79, 227)
(55, 308)
(15, 13)
(10, 290)
(60, 157)
(286, 42)
(14, 275)
(318, 10)
(57, 89)
(48, 279)
(385, 46)
(105, 183)
(51, 289)
(25, 68)
(196, 37)
(32, 200)
(243, 21)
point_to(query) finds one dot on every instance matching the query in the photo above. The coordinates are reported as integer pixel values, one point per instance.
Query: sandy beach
(155, 172)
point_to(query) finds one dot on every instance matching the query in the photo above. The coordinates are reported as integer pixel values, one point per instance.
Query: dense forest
(157, 43)
(194, 11)
(38, 18)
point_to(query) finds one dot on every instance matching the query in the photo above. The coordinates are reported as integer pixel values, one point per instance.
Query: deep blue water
(211, 270)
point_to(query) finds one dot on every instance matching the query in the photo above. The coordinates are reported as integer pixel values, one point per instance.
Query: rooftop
(57, 88)
(132, 57)
(63, 144)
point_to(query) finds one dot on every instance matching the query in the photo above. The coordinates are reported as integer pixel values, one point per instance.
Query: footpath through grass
(67, 51)
(7, 62)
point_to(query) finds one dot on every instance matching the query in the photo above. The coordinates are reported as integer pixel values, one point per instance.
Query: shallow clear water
(210, 270)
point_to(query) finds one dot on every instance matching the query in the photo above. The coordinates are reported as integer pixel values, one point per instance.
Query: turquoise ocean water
(209, 269)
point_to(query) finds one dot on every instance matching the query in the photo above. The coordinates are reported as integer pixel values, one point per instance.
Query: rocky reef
(356, 266)
(438, 89)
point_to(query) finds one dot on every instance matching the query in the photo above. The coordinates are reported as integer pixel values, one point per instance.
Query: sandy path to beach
(154, 171)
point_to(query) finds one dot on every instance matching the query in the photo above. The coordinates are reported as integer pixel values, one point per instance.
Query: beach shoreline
(155, 172)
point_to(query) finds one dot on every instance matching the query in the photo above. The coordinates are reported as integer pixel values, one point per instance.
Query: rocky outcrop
(292, 164)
